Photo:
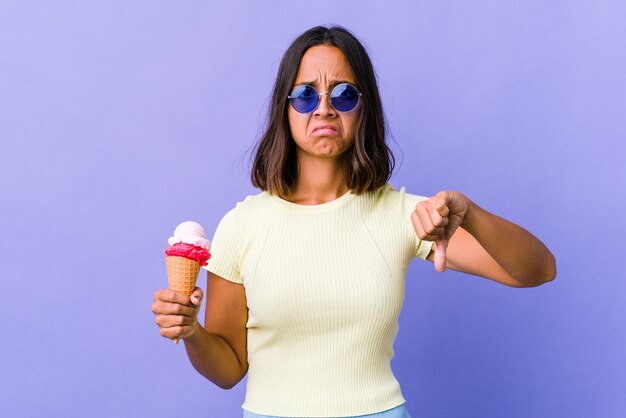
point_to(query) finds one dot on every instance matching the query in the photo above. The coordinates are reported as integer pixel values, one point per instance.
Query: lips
(326, 129)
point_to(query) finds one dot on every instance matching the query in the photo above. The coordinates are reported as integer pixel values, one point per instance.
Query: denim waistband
(399, 411)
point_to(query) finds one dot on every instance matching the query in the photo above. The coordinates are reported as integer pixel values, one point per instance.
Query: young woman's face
(324, 132)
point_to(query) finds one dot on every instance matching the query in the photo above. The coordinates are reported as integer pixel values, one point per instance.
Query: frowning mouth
(323, 130)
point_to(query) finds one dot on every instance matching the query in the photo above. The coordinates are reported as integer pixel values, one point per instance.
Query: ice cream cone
(181, 275)
(188, 251)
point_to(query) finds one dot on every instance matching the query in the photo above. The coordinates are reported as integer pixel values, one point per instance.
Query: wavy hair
(368, 163)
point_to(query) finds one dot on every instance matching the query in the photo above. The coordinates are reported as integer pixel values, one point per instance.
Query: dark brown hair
(369, 163)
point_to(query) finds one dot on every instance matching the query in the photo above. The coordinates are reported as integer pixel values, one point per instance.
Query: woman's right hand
(176, 313)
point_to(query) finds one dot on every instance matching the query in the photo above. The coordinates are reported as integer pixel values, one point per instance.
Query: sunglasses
(305, 99)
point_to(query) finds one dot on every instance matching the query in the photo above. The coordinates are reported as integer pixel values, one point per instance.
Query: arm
(477, 242)
(217, 350)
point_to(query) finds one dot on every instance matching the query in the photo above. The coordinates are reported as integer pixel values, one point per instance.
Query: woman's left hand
(437, 218)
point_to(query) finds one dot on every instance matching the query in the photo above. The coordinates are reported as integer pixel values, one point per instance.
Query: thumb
(440, 255)
(196, 297)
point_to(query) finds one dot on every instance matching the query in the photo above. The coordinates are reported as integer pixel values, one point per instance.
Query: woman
(306, 280)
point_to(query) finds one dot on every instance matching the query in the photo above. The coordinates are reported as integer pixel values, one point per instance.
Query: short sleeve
(421, 248)
(225, 250)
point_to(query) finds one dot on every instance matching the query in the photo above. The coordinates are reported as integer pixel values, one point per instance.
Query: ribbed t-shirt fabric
(324, 286)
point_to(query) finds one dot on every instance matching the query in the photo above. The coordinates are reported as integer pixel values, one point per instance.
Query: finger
(166, 308)
(442, 199)
(196, 297)
(431, 231)
(419, 228)
(176, 331)
(169, 295)
(417, 225)
(438, 220)
(168, 321)
(440, 255)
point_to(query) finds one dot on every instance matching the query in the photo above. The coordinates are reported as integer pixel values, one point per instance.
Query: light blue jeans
(399, 411)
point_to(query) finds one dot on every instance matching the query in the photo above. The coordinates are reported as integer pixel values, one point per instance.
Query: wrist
(193, 334)
(469, 219)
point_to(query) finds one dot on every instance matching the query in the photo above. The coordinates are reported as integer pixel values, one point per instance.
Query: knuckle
(161, 294)
(160, 320)
(156, 308)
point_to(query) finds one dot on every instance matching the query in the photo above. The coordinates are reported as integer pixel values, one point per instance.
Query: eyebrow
(333, 82)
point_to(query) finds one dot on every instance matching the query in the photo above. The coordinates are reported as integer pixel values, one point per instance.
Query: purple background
(118, 120)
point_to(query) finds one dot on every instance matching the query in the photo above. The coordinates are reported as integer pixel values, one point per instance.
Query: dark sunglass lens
(344, 97)
(304, 99)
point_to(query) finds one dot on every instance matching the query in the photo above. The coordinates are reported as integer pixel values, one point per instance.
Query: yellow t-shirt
(324, 285)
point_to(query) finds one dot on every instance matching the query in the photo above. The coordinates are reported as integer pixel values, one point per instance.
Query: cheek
(350, 123)
(297, 124)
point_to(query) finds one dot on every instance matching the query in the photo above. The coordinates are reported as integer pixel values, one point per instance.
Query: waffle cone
(182, 274)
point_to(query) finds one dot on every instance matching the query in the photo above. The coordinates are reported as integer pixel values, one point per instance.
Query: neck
(320, 180)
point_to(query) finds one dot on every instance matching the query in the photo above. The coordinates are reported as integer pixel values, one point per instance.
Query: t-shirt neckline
(340, 201)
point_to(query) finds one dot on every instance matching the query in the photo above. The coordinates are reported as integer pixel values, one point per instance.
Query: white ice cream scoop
(190, 232)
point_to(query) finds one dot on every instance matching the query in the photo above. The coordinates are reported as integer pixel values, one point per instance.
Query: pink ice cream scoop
(189, 241)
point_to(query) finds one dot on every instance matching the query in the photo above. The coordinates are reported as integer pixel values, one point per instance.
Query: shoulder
(399, 201)
(250, 203)
(245, 215)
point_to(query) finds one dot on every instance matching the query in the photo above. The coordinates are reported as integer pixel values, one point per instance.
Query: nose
(325, 108)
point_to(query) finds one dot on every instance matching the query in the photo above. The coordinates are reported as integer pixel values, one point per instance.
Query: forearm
(516, 250)
(213, 358)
